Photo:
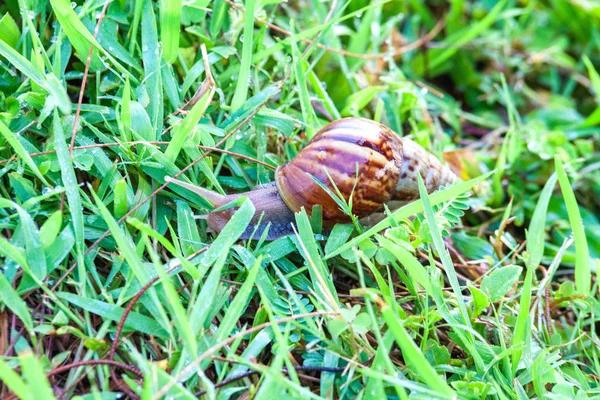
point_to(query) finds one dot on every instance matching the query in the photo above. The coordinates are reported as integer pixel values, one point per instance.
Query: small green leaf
(50, 229)
(500, 281)
(10, 298)
(9, 31)
(120, 198)
(480, 300)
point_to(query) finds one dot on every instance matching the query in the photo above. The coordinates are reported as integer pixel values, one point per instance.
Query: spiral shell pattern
(369, 164)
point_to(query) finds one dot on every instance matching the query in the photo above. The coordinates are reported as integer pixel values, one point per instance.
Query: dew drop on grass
(73, 4)
(145, 48)
(46, 190)
(54, 39)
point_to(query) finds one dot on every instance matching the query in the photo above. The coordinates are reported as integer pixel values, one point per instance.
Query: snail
(387, 167)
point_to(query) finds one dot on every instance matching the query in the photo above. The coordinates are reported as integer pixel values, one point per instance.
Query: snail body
(368, 164)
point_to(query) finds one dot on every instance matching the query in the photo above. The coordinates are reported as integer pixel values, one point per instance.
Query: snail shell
(368, 163)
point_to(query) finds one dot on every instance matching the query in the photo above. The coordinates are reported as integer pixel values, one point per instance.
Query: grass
(111, 286)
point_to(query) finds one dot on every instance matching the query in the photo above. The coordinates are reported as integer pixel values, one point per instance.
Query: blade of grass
(443, 253)
(49, 82)
(13, 381)
(182, 131)
(180, 319)
(10, 298)
(320, 276)
(412, 209)
(151, 59)
(170, 22)
(134, 322)
(241, 88)
(127, 249)
(201, 309)
(82, 39)
(299, 63)
(20, 151)
(238, 305)
(536, 239)
(9, 31)
(69, 180)
(523, 324)
(34, 253)
(408, 261)
(413, 355)
(187, 266)
(583, 273)
(33, 372)
(229, 235)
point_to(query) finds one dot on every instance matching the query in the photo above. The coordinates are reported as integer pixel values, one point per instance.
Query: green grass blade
(151, 59)
(523, 324)
(239, 304)
(413, 355)
(300, 68)
(241, 89)
(34, 253)
(536, 239)
(20, 151)
(81, 39)
(230, 233)
(410, 262)
(13, 381)
(180, 319)
(9, 31)
(320, 276)
(49, 82)
(127, 249)
(170, 22)
(10, 298)
(69, 180)
(443, 253)
(184, 130)
(412, 209)
(583, 272)
(33, 372)
(135, 321)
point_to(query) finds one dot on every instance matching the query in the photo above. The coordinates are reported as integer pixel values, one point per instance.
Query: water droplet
(242, 38)
(144, 48)
(46, 190)
(54, 39)
(73, 4)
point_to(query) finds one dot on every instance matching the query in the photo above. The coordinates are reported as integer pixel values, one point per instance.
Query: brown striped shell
(387, 166)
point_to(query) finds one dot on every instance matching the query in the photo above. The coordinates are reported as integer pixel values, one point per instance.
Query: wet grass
(113, 286)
